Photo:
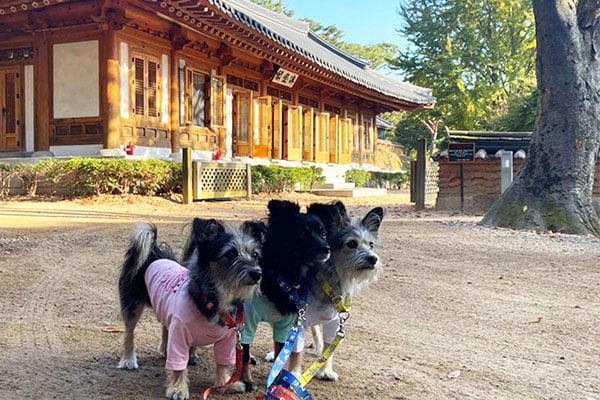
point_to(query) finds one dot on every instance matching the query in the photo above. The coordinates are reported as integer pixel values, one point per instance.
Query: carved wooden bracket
(225, 54)
(179, 38)
(112, 15)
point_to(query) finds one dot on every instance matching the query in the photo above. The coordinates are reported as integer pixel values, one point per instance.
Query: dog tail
(143, 250)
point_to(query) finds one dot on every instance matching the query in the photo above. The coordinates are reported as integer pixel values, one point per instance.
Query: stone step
(354, 192)
(334, 185)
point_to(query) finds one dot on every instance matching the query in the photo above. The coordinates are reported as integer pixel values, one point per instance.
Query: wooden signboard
(461, 152)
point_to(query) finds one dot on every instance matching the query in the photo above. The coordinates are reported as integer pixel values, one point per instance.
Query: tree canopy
(475, 56)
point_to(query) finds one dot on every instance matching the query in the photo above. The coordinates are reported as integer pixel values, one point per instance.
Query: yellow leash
(342, 306)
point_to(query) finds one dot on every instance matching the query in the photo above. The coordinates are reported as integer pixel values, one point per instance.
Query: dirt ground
(460, 312)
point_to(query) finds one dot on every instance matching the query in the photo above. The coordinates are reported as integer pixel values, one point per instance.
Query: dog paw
(193, 360)
(177, 394)
(235, 387)
(128, 363)
(328, 375)
(270, 356)
(249, 386)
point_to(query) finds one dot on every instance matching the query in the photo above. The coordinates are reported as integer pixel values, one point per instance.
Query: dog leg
(327, 373)
(177, 385)
(162, 347)
(317, 335)
(246, 373)
(295, 363)
(223, 374)
(193, 358)
(129, 358)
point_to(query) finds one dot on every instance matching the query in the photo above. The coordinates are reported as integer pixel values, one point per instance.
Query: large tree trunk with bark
(553, 189)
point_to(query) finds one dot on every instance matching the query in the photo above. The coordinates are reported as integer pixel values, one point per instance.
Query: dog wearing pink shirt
(196, 303)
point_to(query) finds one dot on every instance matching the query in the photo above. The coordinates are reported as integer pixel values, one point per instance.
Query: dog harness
(166, 281)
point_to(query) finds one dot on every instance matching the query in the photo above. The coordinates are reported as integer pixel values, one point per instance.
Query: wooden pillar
(42, 93)
(188, 186)
(174, 102)
(420, 175)
(112, 97)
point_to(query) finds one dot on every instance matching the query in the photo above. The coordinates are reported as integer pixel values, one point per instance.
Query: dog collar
(228, 320)
(298, 297)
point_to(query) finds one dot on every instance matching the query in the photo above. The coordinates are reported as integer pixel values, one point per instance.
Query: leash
(343, 307)
(287, 386)
(232, 323)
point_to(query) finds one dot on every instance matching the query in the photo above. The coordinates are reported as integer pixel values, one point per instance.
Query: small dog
(295, 248)
(196, 304)
(352, 266)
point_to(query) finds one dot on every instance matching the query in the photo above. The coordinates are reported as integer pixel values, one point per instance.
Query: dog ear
(256, 229)
(280, 207)
(372, 221)
(206, 229)
(332, 215)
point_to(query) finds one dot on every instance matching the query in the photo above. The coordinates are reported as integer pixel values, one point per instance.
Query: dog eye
(254, 255)
(231, 254)
(323, 234)
(352, 244)
(371, 245)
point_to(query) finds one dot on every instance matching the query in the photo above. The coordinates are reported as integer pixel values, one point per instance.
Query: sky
(361, 21)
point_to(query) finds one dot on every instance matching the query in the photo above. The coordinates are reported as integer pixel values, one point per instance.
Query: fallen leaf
(112, 329)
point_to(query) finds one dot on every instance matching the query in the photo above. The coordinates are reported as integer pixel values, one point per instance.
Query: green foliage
(475, 56)
(358, 176)
(521, 114)
(94, 176)
(275, 5)
(277, 179)
(6, 174)
(388, 180)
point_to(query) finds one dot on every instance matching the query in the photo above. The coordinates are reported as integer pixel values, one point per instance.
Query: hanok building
(83, 77)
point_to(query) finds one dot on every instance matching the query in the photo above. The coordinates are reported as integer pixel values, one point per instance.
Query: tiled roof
(296, 36)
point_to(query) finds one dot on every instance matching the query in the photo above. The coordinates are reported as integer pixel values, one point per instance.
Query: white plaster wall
(76, 151)
(164, 114)
(229, 124)
(124, 79)
(29, 110)
(76, 76)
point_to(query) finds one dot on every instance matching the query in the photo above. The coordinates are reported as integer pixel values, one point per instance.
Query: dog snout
(255, 274)
(372, 259)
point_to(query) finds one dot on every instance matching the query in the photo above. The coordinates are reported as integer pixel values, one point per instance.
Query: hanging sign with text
(461, 152)
(285, 77)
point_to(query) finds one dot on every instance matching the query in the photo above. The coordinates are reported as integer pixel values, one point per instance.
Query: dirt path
(461, 312)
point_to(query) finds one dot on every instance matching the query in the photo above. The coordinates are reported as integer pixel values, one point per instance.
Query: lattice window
(220, 180)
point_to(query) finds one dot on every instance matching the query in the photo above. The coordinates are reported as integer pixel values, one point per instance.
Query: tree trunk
(553, 189)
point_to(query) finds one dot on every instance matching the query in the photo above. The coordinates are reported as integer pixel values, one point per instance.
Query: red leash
(228, 320)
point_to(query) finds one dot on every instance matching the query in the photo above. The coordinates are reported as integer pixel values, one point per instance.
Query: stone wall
(481, 184)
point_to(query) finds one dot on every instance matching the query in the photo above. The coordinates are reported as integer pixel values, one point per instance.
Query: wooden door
(10, 109)
(345, 146)
(321, 132)
(334, 138)
(241, 123)
(279, 124)
(261, 129)
(293, 134)
(308, 134)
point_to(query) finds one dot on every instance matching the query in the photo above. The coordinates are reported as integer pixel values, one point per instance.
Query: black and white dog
(196, 304)
(352, 266)
(295, 249)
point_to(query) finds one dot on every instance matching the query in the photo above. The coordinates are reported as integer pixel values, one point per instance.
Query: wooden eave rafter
(220, 26)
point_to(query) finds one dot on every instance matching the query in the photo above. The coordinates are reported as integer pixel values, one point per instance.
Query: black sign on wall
(461, 152)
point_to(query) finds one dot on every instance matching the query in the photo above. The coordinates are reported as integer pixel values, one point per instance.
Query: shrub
(277, 179)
